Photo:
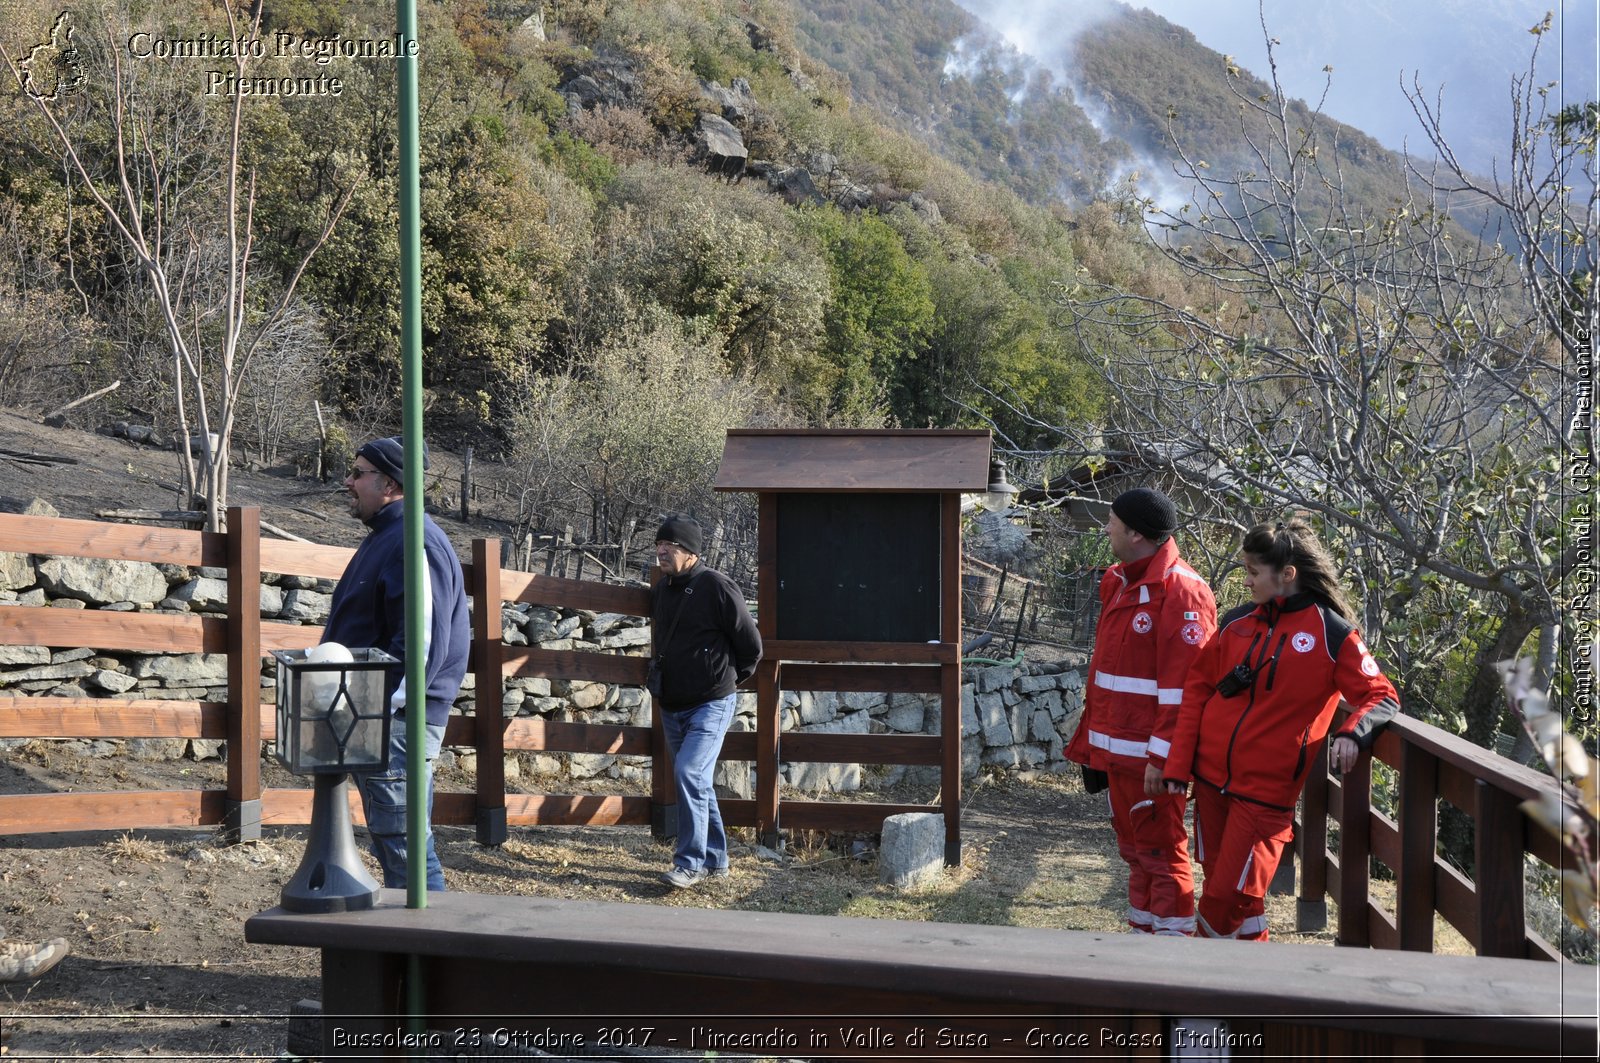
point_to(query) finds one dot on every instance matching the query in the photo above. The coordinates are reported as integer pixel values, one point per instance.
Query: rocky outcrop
(736, 103)
(600, 82)
(794, 184)
(722, 146)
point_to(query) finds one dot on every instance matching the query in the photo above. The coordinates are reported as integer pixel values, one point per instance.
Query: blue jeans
(383, 800)
(695, 737)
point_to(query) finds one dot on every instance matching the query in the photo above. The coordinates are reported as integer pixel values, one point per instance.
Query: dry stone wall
(1013, 716)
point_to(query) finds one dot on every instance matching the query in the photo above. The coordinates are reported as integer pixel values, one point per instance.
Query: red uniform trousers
(1152, 841)
(1239, 844)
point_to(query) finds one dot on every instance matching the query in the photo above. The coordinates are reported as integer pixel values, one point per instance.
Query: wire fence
(1003, 608)
(1060, 610)
(566, 544)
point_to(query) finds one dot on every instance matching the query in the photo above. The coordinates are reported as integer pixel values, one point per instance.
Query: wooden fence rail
(246, 719)
(510, 972)
(1431, 766)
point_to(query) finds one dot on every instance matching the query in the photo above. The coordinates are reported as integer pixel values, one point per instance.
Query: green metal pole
(416, 570)
(411, 359)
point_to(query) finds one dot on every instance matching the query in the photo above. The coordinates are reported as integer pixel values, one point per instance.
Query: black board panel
(858, 567)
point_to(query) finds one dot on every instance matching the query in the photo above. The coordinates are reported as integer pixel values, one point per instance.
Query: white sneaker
(21, 961)
(682, 878)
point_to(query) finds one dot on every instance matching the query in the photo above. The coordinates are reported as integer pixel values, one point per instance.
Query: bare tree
(633, 429)
(176, 189)
(1379, 368)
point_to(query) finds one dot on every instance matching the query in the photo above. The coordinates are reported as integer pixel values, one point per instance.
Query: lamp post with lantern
(333, 719)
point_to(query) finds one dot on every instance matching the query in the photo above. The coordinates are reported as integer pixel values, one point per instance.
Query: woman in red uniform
(1256, 703)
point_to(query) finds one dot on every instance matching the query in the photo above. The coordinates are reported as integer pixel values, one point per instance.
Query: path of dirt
(159, 965)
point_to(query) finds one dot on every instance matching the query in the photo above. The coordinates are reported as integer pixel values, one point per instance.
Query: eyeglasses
(356, 473)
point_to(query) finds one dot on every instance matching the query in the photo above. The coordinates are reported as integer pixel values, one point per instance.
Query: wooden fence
(245, 720)
(1487, 908)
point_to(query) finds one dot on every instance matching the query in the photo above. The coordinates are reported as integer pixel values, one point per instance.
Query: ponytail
(1293, 542)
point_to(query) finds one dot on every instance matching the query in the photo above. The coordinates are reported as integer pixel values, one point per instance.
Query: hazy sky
(1469, 49)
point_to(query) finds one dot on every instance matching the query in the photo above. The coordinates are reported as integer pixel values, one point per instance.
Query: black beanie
(1148, 512)
(388, 456)
(681, 530)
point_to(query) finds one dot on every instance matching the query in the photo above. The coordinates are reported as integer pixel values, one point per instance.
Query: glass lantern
(332, 714)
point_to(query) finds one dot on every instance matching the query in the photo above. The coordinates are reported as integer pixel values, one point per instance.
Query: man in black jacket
(705, 645)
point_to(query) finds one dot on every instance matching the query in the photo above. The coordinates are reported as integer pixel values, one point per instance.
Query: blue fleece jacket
(369, 608)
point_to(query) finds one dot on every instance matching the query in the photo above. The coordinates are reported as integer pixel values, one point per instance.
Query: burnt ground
(83, 474)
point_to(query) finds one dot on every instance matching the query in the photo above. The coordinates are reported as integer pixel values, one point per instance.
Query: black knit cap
(681, 530)
(388, 456)
(1148, 512)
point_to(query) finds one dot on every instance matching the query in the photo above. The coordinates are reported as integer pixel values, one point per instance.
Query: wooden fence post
(1499, 839)
(488, 698)
(950, 678)
(768, 725)
(663, 795)
(768, 721)
(1311, 842)
(242, 811)
(1355, 849)
(1419, 836)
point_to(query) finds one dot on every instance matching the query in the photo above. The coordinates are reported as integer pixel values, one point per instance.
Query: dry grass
(138, 850)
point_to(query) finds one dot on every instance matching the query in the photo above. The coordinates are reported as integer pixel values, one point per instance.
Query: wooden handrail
(1431, 766)
(878, 989)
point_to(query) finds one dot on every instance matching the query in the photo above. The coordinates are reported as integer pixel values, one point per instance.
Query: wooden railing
(1487, 908)
(573, 977)
(243, 806)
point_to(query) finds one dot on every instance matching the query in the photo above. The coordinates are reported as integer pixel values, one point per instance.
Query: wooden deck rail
(576, 978)
(1431, 766)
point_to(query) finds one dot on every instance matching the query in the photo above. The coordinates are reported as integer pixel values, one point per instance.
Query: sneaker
(681, 878)
(24, 960)
(718, 872)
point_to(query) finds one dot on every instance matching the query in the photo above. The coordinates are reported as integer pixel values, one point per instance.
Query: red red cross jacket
(1152, 624)
(1259, 743)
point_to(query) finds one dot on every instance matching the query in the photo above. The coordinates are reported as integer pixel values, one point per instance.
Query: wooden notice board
(858, 567)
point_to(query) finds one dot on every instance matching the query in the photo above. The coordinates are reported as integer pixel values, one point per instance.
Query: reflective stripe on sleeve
(1160, 746)
(1127, 684)
(1120, 746)
(1186, 573)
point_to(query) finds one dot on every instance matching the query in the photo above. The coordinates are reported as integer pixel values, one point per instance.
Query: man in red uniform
(1155, 614)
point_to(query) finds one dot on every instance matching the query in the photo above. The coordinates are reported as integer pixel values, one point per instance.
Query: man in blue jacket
(369, 610)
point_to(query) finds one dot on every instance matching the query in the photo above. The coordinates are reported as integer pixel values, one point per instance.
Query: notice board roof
(829, 459)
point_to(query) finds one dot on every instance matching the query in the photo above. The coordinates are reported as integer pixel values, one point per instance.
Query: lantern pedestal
(331, 876)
